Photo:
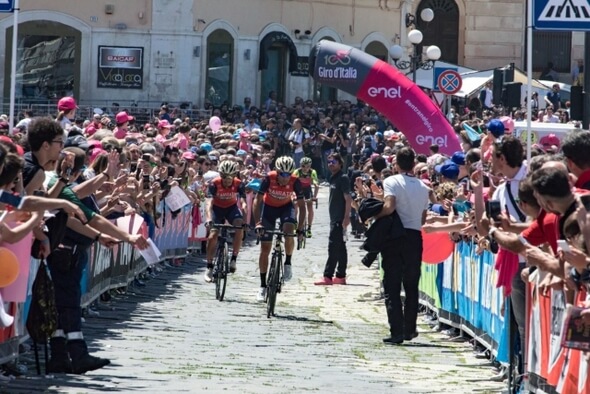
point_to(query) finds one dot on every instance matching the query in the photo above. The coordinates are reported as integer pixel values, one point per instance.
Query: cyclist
(222, 205)
(273, 202)
(308, 177)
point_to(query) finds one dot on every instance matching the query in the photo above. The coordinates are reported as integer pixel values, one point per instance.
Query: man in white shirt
(507, 160)
(402, 258)
(550, 117)
(297, 138)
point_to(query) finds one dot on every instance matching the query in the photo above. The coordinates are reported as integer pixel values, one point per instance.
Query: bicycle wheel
(220, 272)
(272, 286)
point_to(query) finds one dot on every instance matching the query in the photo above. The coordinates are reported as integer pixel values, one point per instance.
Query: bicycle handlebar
(275, 232)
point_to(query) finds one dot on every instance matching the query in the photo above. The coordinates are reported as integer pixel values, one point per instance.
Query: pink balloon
(215, 123)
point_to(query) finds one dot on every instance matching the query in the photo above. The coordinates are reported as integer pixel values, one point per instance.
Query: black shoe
(397, 340)
(59, 365)
(409, 337)
(88, 363)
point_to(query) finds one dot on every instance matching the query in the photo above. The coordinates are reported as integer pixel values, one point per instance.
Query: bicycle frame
(221, 267)
(275, 272)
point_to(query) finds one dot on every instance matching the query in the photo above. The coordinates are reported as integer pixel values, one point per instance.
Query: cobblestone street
(173, 336)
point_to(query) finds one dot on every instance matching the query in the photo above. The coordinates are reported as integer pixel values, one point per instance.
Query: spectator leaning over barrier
(576, 149)
(507, 160)
(407, 195)
(69, 353)
(46, 139)
(553, 190)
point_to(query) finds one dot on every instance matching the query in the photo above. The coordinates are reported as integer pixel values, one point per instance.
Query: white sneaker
(261, 297)
(209, 275)
(288, 273)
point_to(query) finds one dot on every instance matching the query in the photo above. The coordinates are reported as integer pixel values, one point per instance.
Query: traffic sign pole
(13, 66)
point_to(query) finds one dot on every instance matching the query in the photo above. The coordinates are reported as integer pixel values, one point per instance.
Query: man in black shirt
(339, 208)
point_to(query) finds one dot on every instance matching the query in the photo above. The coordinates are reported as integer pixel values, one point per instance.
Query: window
(375, 48)
(220, 49)
(45, 67)
(554, 47)
(443, 31)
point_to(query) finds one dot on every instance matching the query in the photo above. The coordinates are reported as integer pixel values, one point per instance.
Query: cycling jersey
(308, 179)
(276, 195)
(224, 197)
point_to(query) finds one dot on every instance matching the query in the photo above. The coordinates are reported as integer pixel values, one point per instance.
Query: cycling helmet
(285, 164)
(305, 161)
(228, 167)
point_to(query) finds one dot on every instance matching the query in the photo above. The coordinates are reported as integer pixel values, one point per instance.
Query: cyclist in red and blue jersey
(273, 202)
(222, 205)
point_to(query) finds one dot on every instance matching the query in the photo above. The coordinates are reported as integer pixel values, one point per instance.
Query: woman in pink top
(182, 142)
(163, 131)
(244, 141)
(122, 120)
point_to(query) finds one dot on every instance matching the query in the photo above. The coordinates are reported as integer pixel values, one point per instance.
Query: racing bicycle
(222, 258)
(274, 277)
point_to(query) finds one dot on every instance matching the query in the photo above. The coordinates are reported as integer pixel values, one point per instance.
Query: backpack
(42, 319)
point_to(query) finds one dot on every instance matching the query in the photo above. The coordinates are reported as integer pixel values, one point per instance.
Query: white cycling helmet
(228, 167)
(285, 164)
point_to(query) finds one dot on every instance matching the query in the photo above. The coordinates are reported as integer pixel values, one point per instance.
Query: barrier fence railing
(142, 112)
(462, 291)
(105, 269)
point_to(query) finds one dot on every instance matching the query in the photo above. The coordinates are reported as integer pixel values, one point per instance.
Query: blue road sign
(571, 15)
(6, 5)
(436, 73)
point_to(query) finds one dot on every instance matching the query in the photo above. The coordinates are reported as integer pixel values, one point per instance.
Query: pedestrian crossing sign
(572, 15)
(6, 5)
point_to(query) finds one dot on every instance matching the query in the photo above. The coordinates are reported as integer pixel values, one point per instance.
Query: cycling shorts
(286, 214)
(229, 214)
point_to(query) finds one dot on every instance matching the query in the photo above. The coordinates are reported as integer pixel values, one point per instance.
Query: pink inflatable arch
(387, 90)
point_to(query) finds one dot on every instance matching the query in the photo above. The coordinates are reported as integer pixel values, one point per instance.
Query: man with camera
(507, 160)
(297, 138)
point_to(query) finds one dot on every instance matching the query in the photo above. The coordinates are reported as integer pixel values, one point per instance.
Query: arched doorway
(218, 81)
(377, 49)
(278, 56)
(321, 93)
(443, 31)
(48, 61)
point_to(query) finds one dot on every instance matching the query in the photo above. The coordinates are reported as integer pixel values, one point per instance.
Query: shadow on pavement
(119, 313)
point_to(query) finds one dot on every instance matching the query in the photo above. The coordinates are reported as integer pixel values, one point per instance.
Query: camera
(146, 182)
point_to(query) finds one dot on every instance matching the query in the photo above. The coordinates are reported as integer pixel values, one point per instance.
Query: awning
(273, 38)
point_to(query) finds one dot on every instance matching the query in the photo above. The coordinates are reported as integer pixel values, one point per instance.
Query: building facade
(137, 52)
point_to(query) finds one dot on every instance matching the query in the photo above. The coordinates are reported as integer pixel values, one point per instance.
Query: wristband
(64, 180)
(107, 175)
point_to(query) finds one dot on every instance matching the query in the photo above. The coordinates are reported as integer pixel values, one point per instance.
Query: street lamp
(415, 37)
